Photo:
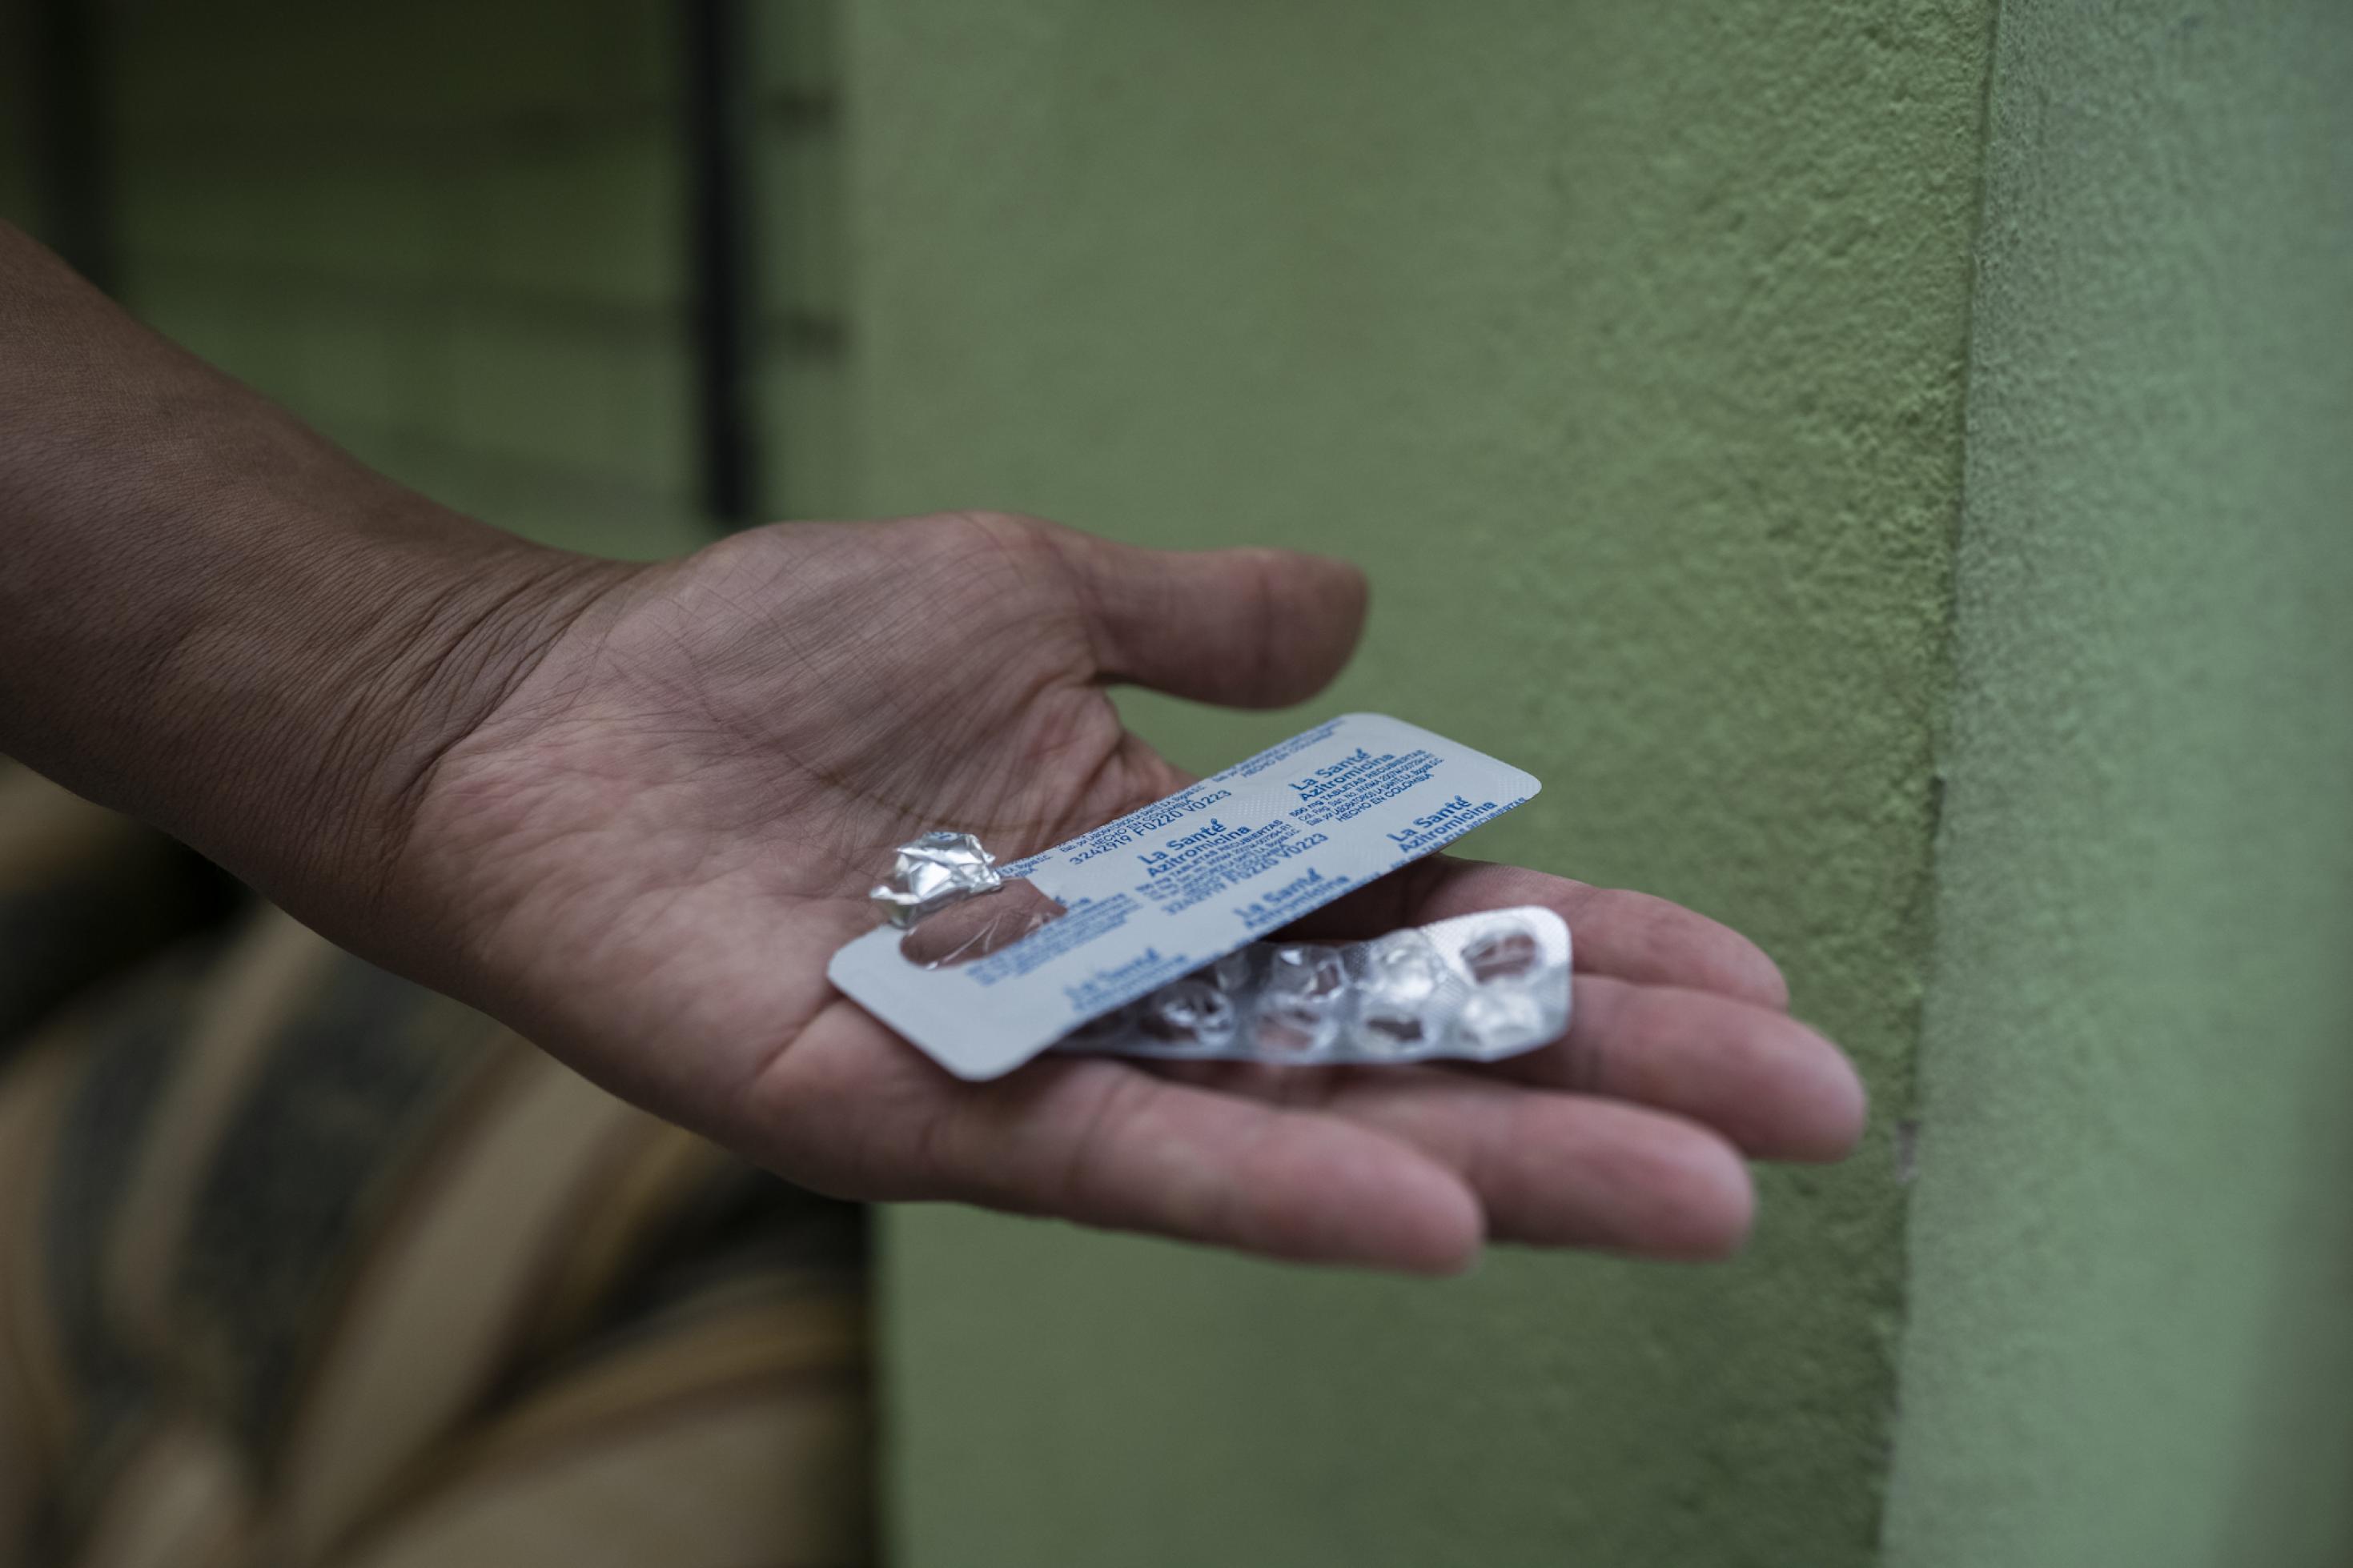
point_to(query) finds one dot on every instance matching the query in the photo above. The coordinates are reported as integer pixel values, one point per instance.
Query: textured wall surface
(801, 289)
(454, 237)
(448, 235)
(2130, 1335)
(1624, 347)
(18, 198)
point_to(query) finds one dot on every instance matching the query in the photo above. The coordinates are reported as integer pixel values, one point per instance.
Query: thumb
(1249, 628)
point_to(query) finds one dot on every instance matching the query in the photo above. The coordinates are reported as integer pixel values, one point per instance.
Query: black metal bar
(716, 120)
(68, 125)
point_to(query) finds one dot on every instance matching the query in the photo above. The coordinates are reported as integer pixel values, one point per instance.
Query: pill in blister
(1191, 1013)
(1404, 977)
(1493, 1018)
(1508, 949)
(1286, 1028)
(1480, 986)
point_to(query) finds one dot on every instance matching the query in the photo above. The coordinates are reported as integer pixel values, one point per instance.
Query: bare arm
(632, 810)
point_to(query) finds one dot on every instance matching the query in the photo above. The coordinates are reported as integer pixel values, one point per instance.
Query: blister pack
(1480, 986)
(1172, 889)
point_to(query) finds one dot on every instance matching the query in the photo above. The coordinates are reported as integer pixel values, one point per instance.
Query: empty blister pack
(1479, 986)
(1156, 896)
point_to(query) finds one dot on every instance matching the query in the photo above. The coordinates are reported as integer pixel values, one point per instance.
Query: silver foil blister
(932, 871)
(982, 983)
(1478, 987)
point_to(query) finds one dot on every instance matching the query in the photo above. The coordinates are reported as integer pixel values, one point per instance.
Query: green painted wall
(17, 200)
(446, 233)
(2130, 1335)
(1624, 346)
(453, 236)
(807, 459)
(1627, 347)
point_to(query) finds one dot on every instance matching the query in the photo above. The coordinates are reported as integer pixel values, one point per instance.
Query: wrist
(438, 634)
(214, 619)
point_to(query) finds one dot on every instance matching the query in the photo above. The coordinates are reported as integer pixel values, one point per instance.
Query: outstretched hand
(646, 853)
(633, 811)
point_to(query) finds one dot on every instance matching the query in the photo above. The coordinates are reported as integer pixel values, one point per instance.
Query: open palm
(649, 851)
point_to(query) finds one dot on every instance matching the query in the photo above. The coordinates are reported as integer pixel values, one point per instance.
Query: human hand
(647, 851)
(633, 811)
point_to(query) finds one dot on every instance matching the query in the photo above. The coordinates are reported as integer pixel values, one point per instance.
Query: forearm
(212, 618)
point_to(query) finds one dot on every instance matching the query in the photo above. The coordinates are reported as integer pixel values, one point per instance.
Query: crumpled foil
(932, 872)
